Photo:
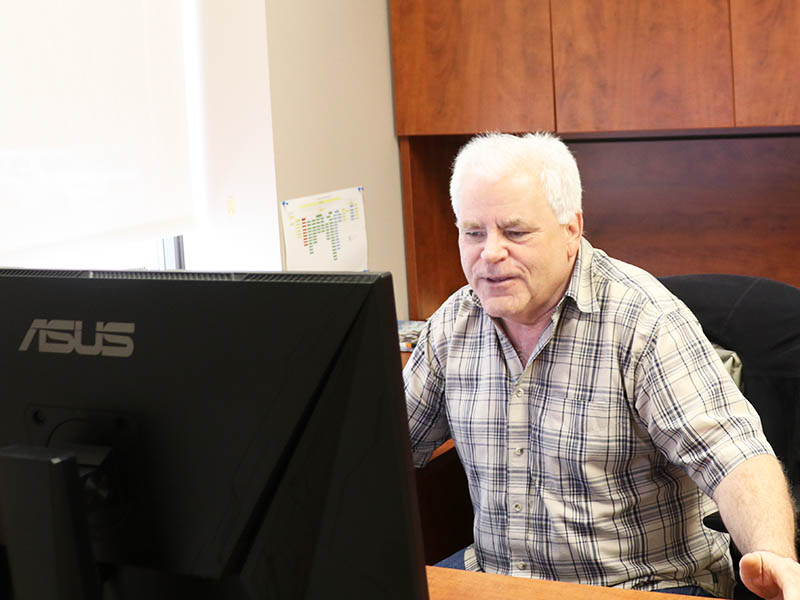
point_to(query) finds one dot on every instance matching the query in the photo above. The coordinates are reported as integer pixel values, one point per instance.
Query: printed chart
(325, 232)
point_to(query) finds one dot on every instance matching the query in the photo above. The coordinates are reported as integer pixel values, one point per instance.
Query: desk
(451, 584)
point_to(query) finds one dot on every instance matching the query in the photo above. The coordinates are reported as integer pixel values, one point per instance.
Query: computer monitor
(236, 436)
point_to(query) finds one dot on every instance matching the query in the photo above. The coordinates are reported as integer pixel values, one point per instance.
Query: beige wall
(332, 115)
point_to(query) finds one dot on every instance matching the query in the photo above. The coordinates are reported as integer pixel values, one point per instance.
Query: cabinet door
(766, 61)
(623, 65)
(467, 66)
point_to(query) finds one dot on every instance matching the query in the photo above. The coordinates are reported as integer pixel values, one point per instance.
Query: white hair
(495, 155)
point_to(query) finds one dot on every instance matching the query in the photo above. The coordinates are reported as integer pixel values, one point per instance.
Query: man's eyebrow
(511, 223)
(508, 224)
(468, 224)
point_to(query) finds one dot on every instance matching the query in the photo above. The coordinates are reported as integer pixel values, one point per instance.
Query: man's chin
(498, 308)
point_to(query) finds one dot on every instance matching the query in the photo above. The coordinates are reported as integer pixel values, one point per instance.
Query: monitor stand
(45, 526)
(46, 534)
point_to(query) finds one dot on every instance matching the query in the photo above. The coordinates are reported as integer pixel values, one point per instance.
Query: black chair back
(760, 320)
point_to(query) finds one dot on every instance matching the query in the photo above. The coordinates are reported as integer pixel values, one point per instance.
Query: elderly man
(594, 420)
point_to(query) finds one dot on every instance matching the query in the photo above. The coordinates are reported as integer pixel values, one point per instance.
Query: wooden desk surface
(452, 584)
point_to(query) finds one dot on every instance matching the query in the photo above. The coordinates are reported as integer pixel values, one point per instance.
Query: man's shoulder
(619, 285)
(457, 321)
(462, 304)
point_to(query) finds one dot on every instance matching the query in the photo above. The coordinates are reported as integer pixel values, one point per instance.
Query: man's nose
(494, 249)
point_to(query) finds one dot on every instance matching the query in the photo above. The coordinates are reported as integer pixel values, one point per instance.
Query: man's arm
(424, 391)
(757, 509)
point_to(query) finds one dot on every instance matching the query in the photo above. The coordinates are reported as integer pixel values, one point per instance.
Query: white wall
(332, 114)
(240, 230)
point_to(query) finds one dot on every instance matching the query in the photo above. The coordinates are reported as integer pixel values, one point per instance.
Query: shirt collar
(581, 286)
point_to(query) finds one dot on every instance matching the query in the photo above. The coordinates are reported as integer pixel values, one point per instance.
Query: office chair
(759, 319)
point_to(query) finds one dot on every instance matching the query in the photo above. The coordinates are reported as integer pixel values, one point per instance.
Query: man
(593, 418)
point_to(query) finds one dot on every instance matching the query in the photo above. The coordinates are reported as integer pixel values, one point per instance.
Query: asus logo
(64, 337)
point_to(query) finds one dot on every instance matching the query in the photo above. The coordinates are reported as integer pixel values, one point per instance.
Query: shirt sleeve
(424, 388)
(693, 410)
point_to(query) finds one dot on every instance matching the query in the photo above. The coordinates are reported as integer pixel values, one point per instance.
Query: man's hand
(770, 576)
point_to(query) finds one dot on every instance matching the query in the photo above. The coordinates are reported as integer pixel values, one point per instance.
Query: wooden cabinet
(613, 77)
(467, 66)
(766, 61)
(471, 65)
(622, 65)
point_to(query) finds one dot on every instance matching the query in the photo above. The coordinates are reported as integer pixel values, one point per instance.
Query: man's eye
(514, 234)
(474, 234)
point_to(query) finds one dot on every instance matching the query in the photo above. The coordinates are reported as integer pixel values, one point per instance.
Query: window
(122, 123)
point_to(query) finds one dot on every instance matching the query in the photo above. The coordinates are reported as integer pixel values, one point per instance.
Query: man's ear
(574, 231)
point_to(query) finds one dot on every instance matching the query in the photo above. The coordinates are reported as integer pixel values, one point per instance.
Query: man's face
(515, 254)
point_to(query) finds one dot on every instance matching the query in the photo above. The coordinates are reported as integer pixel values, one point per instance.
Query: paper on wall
(325, 232)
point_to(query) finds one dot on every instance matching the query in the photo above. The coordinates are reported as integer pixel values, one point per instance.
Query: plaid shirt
(594, 462)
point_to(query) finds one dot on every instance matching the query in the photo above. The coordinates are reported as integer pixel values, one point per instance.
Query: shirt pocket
(582, 438)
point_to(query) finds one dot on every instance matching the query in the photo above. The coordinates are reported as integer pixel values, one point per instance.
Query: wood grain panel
(467, 66)
(625, 65)
(671, 206)
(766, 61)
(454, 584)
(432, 261)
(727, 205)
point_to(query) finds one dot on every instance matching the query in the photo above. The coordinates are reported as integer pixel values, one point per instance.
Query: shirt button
(522, 566)
(519, 451)
(520, 392)
(517, 507)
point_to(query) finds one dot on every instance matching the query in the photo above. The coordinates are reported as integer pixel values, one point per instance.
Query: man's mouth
(497, 279)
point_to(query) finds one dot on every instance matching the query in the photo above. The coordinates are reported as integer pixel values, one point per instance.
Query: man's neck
(525, 337)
